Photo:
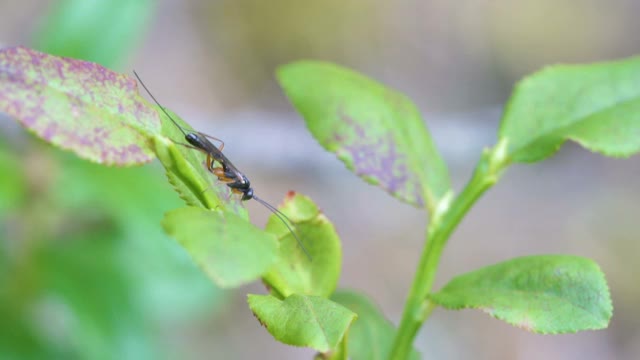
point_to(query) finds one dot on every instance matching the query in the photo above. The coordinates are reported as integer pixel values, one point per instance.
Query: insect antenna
(158, 103)
(282, 218)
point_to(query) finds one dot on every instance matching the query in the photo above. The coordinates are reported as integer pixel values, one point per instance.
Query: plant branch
(444, 222)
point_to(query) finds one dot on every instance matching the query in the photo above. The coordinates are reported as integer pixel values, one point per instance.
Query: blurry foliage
(12, 187)
(103, 31)
(86, 271)
(85, 268)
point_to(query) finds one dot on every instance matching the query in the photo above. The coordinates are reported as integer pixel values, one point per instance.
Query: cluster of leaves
(100, 116)
(379, 134)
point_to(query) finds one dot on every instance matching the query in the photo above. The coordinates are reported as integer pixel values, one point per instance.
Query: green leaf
(229, 249)
(597, 106)
(371, 335)
(548, 294)
(78, 106)
(300, 320)
(295, 272)
(102, 31)
(376, 131)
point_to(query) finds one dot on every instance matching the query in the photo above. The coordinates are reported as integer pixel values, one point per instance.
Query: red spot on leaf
(290, 195)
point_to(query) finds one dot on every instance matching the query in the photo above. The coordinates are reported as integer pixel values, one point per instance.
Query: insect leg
(214, 138)
(221, 174)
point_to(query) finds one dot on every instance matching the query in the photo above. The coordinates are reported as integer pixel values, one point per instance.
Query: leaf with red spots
(376, 131)
(548, 294)
(78, 105)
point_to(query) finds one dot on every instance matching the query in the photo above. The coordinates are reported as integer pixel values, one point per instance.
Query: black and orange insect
(226, 172)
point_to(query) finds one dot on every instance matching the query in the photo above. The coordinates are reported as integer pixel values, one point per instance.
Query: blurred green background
(86, 272)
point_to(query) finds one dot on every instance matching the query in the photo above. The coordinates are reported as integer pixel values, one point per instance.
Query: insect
(226, 172)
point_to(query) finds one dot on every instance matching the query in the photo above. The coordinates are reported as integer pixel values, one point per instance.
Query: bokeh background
(86, 272)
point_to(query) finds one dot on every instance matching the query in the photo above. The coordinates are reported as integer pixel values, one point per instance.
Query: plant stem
(417, 307)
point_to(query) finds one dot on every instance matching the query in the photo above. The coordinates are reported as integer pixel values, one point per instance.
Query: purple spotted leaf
(78, 105)
(376, 131)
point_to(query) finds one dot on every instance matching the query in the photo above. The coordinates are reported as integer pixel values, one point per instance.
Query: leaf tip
(290, 196)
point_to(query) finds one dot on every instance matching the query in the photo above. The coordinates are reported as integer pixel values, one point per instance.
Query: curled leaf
(295, 272)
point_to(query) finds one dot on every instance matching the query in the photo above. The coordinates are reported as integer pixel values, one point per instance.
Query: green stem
(417, 307)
